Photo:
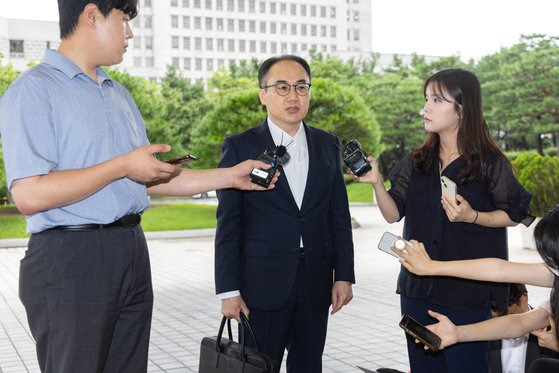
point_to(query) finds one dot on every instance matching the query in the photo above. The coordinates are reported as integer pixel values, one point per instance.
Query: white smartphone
(389, 240)
(448, 187)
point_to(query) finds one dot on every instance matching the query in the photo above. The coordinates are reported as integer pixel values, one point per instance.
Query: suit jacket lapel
(314, 158)
(282, 186)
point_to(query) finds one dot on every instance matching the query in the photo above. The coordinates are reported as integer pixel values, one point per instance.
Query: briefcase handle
(242, 325)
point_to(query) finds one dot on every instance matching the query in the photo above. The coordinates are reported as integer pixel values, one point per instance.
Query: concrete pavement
(364, 333)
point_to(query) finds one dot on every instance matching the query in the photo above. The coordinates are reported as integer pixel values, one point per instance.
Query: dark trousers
(297, 327)
(89, 299)
(460, 358)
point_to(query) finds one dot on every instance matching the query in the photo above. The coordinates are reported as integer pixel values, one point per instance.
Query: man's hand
(241, 179)
(140, 164)
(342, 294)
(548, 338)
(231, 307)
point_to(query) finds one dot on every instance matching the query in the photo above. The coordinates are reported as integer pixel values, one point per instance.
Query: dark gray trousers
(89, 299)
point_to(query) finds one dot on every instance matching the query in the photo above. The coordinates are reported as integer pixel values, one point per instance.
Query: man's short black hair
(69, 11)
(515, 292)
(267, 65)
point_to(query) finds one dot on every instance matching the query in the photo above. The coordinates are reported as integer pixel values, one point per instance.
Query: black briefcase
(222, 355)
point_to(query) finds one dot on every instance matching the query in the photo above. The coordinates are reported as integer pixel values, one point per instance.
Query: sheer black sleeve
(508, 194)
(399, 179)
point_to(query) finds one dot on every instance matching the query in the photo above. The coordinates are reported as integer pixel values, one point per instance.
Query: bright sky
(470, 28)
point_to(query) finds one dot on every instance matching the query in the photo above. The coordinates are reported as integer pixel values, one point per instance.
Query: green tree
(7, 76)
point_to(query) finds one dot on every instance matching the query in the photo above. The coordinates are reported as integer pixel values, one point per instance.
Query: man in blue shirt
(79, 166)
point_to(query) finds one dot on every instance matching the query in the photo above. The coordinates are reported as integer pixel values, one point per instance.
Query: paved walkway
(364, 333)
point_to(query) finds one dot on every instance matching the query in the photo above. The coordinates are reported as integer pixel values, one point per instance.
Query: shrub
(540, 176)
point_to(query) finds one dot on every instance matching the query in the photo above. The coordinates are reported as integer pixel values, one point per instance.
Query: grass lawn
(360, 192)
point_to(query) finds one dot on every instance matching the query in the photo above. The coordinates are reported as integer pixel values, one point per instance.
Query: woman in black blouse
(489, 199)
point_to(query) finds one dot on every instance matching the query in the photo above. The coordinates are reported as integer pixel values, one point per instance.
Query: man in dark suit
(286, 255)
(516, 355)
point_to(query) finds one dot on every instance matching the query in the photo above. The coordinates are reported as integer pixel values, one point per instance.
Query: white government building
(200, 36)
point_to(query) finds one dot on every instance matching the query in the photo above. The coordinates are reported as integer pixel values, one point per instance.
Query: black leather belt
(126, 221)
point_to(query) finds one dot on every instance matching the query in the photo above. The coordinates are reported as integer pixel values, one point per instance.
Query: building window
(262, 27)
(197, 4)
(220, 63)
(283, 8)
(186, 62)
(293, 29)
(273, 8)
(219, 4)
(174, 21)
(197, 23)
(332, 12)
(283, 28)
(252, 26)
(272, 27)
(149, 42)
(219, 24)
(175, 42)
(241, 25)
(303, 29)
(323, 31)
(209, 64)
(176, 63)
(333, 31)
(231, 45)
(262, 7)
(252, 46)
(231, 25)
(230, 6)
(294, 48)
(356, 35)
(220, 43)
(209, 44)
(313, 30)
(186, 3)
(332, 48)
(242, 46)
(323, 11)
(198, 44)
(262, 47)
(241, 5)
(283, 48)
(186, 43)
(147, 3)
(148, 22)
(252, 6)
(273, 47)
(303, 10)
(303, 47)
(209, 23)
(186, 21)
(137, 61)
(324, 48)
(149, 61)
(208, 4)
(313, 10)
(198, 64)
(293, 9)
(137, 41)
(174, 2)
(355, 16)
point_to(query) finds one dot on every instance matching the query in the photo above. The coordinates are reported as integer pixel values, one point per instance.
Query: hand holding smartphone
(418, 331)
(389, 240)
(180, 160)
(448, 187)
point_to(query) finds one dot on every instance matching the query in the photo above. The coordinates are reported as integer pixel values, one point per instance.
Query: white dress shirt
(513, 354)
(295, 170)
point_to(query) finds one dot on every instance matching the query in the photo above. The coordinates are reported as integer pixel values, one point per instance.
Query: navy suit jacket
(533, 352)
(257, 232)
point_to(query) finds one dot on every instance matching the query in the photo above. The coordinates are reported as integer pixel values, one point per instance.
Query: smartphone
(418, 331)
(448, 187)
(389, 240)
(181, 160)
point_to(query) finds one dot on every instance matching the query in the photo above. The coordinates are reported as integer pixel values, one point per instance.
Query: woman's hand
(372, 177)
(548, 338)
(459, 210)
(415, 259)
(445, 329)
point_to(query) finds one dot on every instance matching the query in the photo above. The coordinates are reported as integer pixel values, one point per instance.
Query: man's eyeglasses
(283, 89)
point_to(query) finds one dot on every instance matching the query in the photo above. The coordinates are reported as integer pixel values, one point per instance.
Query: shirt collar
(68, 67)
(283, 138)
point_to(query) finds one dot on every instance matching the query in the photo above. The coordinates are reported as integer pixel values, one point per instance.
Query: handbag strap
(244, 321)
(220, 333)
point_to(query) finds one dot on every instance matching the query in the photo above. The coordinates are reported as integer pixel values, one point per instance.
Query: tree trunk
(539, 147)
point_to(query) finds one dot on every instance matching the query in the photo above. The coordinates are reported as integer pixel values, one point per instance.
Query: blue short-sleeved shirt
(54, 117)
